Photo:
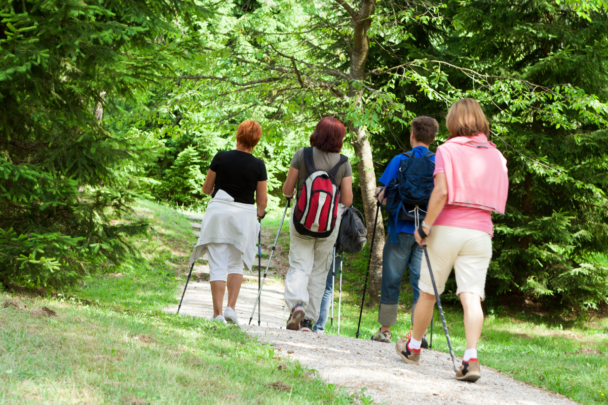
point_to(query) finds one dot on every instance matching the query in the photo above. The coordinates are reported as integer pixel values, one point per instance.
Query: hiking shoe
(403, 350)
(293, 323)
(306, 325)
(469, 371)
(219, 319)
(424, 344)
(230, 316)
(384, 337)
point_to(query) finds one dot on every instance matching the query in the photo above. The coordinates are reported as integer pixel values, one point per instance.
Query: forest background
(107, 101)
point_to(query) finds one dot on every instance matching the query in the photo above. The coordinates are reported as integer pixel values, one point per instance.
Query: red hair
(249, 134)
(329, 135)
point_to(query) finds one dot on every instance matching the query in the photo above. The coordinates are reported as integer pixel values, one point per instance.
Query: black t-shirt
(238, 173)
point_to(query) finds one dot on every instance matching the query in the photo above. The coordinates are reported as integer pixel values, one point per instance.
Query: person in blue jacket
(406, 254)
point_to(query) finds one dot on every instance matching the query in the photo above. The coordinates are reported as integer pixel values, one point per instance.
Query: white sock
(469, 354)
(414, 344)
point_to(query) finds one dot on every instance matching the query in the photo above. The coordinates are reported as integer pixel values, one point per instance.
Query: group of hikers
(466, 179)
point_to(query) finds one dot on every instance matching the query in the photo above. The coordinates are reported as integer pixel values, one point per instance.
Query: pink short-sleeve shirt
(462, 217)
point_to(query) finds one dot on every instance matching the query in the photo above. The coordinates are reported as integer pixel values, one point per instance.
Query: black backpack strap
(332, 173)
(309, 160)
(428, 154)
(409, 154)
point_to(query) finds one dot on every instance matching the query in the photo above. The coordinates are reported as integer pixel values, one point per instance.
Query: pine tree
(64, 64)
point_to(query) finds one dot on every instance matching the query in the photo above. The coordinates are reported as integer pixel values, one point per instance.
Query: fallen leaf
(290, 351)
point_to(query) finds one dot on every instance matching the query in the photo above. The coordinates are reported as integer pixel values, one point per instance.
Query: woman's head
(466, 118)
(249, 134)
(328, 135)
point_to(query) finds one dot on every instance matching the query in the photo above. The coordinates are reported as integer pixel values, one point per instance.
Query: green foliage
(64, 173)
(183, 182)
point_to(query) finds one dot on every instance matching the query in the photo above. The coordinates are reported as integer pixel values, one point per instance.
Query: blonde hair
(466, 118)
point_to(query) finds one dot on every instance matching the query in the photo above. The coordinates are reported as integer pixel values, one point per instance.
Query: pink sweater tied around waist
(476, 173)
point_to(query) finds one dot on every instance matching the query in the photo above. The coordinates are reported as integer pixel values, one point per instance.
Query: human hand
(262, 215)
(292, 194)
(421, 241)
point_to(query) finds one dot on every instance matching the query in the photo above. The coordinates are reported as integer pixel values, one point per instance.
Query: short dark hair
(425, 129)
(329, 135)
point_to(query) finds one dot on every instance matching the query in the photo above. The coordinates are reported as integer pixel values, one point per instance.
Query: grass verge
(124, 349)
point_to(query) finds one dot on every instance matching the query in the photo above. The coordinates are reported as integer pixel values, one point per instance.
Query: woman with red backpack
(324, 183)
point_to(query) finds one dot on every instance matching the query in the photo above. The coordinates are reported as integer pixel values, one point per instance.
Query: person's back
(229, 230)
(471, 182)
(310, 256)
(238, 173)
(401, 252)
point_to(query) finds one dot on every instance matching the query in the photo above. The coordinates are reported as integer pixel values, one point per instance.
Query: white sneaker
(230, 316)
(218, 318)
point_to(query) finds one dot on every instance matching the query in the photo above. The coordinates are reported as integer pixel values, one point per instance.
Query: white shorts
(224, 259)
(468, 251)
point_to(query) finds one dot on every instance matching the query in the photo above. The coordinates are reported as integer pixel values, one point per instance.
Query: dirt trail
(359, 363)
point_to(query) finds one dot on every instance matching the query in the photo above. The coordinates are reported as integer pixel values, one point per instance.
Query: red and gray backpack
(317, 206)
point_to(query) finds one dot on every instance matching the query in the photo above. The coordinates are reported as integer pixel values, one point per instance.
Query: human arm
(209, 183)
(346, 191)
(380, 194)
(261, 197)
(289, 188)
(439, 198)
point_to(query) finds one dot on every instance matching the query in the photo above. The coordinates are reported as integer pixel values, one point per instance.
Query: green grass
(528, 347)
(122, 349)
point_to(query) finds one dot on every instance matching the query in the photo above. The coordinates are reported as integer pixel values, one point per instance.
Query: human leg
(395, 258)
(471, 268)
(326, 301)
(323, 257)
(473, 318)
(414, 268)
(218, 288)
(443, 246)
(235, 275)
(218, 254)
(301, 256)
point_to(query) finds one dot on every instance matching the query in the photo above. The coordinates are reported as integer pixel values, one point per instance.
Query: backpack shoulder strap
(332, 173)
(309, 160)
(409, 154)
(428, 154)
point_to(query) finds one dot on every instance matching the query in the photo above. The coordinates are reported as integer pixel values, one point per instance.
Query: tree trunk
(361, 22)
(367, 179)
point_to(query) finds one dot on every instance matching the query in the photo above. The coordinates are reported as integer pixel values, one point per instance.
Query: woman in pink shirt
(471, 182)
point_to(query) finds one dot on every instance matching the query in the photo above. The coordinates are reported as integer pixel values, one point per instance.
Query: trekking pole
(333, 283)
(269, 259)
(445, 326)
(259, 271)
(371, 251)
(185, 288)
(340, 297)
(432, 320)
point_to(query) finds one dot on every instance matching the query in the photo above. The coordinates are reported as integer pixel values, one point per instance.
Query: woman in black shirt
(237, 180)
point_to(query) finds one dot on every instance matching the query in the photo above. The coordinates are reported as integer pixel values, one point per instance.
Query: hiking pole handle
(445, 326)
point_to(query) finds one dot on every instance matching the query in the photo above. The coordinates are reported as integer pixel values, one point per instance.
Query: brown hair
(466, 118)
(425, 129)
(249, 133)
(328, 135)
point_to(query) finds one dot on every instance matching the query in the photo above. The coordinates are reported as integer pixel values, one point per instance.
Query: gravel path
(358, 363)
(197, 301)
